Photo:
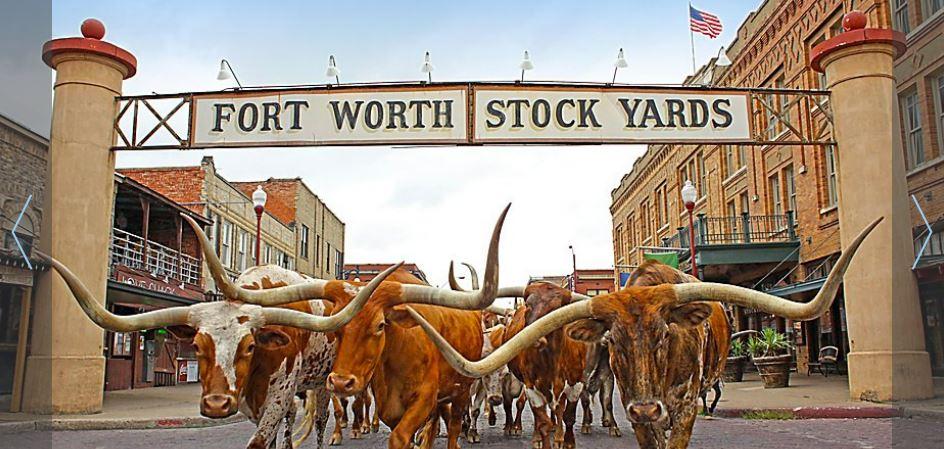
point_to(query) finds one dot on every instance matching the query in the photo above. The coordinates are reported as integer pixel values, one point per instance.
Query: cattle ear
(589, 331)
(182, 333)
(400, 316)
(271, 339)
(688, 315)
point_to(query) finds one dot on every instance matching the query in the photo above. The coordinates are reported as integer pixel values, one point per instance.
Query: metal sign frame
(142, 118)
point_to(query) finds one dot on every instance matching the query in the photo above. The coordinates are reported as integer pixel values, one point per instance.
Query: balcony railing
(160, 261)
(736, 230)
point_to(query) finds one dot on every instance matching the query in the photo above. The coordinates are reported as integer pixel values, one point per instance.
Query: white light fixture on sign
(226, 71)
(526, 64)
(333, 71)
(619, 64)
(427, 67)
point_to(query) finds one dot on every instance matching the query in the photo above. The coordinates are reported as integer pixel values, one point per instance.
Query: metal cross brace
(930, 233)
(16, 225)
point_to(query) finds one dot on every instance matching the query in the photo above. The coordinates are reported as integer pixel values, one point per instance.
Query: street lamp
(333, 71)
(722, 59)
(526, 64)
(689, 195)
(573, 277)
(619, 64)
(258, 203)
(227, 72)
(427, 67)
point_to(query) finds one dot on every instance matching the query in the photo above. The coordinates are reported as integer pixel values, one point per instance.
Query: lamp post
(689, 195)
(227, 72)
(525, 65)
(619, 64)
(258, 203)
(573, 277)
(427, 67)
(333, 71)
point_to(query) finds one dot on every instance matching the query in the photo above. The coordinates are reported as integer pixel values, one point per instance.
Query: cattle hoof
(335, 440)
(356, 435)
(342, 423)
(605, 422)
(615, 432)
(586, 429)
(365, 429)
(375, 427)
(492, 420)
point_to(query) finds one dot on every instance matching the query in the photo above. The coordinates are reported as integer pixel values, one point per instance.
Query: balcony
(158, 261)
(744, 239)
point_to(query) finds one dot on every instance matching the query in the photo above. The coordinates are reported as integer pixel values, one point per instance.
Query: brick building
(319, 233)
(23, 156)
(203, 190)
(365, 272)
(766, 217)
(920, 82)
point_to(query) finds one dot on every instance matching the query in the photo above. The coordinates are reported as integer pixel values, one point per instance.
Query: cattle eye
(250, 348)
(380, 327)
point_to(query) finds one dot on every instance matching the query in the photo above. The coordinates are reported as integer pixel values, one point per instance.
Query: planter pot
(734, 369)
(774, 370)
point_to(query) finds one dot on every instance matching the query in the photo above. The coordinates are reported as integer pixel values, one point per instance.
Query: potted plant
(737, 361)
(771, 354)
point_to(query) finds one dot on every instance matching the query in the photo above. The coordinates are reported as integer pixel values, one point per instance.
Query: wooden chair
(827, 357)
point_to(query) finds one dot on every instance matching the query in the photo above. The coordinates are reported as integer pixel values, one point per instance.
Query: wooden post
(22, 337)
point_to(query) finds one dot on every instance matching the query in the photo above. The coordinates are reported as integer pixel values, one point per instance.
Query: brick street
(918, 433)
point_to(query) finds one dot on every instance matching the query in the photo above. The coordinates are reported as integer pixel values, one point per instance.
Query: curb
(817, 412)
(117, 424)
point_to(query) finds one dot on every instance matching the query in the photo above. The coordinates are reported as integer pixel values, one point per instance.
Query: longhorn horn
(743, 333)
(745, 297)
(311, 289)
(507, 351)
(106, 320)
(475, 300)
(474, 274)
(288, 317)
(453, 283)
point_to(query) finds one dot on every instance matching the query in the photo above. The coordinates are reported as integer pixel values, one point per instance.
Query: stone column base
(879, 376)
(64, 385)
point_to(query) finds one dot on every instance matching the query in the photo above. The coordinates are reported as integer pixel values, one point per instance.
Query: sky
(423, 205)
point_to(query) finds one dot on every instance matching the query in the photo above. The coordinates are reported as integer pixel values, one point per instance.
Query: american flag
(705, 23)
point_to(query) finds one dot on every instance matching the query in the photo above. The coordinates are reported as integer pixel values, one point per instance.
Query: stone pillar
(65, 370)
(888, 360)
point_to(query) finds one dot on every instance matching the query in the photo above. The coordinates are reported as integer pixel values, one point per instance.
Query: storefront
(16, 291)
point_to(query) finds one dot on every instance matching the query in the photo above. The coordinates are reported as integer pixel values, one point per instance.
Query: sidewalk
(146, 408)
(811, 397)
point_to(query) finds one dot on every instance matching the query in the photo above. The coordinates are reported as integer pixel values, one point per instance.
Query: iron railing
(133, 251)
(736, 230)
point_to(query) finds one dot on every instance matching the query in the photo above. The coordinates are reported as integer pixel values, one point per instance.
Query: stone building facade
(319, 233)
(23, 156)
(766, 216)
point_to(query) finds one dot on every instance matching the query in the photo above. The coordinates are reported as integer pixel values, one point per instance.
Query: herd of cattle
(424, 355)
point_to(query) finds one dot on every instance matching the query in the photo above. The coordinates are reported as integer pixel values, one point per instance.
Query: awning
(799, 287)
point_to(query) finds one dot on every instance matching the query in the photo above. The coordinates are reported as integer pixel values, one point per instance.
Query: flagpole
(692, 33)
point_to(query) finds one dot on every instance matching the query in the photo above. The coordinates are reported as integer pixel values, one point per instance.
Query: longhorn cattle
(250, 357)
(658, 338)
(382, 348)
(360, 408)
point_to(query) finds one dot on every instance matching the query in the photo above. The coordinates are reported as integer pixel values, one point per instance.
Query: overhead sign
(331, 116)
(468, 114)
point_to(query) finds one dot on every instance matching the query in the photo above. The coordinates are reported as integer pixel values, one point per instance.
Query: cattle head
(492, 383)
(227, 333)
(639, 320)
(362, 341)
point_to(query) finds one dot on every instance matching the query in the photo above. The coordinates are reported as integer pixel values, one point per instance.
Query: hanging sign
(469, 114)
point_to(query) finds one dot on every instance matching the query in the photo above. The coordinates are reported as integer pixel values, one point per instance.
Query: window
(832, 191)
(912, 125)
(268, 254)
(939, 101)
(662, 206)
(328, 258)
(933, 7)
(643, 220)
(304, 242)
(790, 183)
(121, 344)
(241, 249)
(317, 249)
(338, 262)
(630, 232)
(742, 156)
(900, 14)
(226, 244)
(775, 107)
(776, 205)
(702, 176)
(618, 242)
(596, 292)
(729, 163)
(732, 219)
